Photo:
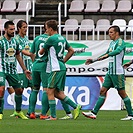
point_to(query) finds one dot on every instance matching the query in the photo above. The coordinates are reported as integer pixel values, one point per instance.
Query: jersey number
(61, 52)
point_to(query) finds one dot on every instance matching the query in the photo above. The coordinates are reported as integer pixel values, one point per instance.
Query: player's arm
(128, 64)
(41, 51)
(103, 56)
(32, 56)
(69, 54)
(118, 50)
(27, 53)
(20, 60)
(45, 46)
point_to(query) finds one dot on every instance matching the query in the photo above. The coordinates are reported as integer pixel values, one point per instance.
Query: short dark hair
(8, 23)
(19, 24)
(116, 28)
(52, 24)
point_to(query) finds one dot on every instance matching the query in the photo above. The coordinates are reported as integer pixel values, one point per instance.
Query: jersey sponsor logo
(10, 51)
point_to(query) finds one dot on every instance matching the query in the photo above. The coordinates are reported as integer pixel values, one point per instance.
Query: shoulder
(121, 42)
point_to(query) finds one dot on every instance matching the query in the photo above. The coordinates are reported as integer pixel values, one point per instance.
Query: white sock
(70, 115)
(13, 99)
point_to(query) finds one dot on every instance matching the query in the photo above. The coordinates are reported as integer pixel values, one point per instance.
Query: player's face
(10, 31)
(23, 29)
(48, 30)
(112, 34)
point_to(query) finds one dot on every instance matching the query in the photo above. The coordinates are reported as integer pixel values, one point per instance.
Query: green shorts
(39, 74)
(12, 79)
(116, 81)
(25, 83)
(57, 80)
(38, 77)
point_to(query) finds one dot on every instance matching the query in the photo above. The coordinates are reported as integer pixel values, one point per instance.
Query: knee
(103, 91)
(19, 91)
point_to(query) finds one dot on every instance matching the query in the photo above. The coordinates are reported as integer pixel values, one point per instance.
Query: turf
(106, 122)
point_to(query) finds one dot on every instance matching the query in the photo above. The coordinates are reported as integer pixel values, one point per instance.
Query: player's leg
(107, 84)
(45, 104)
(25, 84)
(59, 93)
(14, 81)
(67, 110)
(52, 81)
(2, 91)
(36, 80)
(12, 95)
(124, 96)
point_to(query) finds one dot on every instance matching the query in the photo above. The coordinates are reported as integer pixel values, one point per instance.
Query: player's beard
(10, 35)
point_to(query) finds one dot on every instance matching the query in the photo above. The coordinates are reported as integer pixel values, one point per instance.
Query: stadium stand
(8, 6)
(76, 6)
(70, 25)
(108, 6)
(124, 6)
(86, 25)
(103, 11)
(92, 6)
(23, 6)
(130, 28)
(102, 25)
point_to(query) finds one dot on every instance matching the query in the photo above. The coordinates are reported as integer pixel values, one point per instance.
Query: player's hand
(127, 65)
(28, 74)
(88, 61)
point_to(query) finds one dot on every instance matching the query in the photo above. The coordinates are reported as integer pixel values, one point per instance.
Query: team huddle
(48, 68)
(22, 66)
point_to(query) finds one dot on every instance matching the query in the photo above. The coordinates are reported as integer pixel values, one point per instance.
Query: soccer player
(25, 44)
(56, 45)
(115, 75)
(9, 52)
(39, 75)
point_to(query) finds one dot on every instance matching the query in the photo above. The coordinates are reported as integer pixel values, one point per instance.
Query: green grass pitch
(106, 122)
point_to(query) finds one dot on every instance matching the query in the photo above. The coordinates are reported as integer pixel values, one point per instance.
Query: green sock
(68, 101)
(29, 108)
(52, 105)
(18, 100)
(66, 107)
(128, 105)
(99, 103)
(45, 104)
(1, 105)
(33, 100)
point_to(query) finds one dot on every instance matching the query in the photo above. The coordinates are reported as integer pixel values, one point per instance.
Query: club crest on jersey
(27, 48)
(11, 52)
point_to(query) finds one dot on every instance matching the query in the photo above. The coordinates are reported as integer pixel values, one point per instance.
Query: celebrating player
(115, 76)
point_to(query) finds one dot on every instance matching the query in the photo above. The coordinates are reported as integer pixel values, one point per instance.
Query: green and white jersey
(116, 52)
(25, 44)
(38, 43)
(56, 45)
(8, 49)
